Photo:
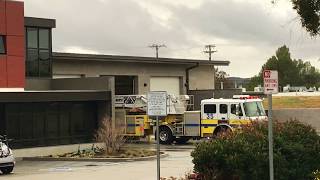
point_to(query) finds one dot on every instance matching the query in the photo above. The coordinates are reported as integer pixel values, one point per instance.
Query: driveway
(176, 164)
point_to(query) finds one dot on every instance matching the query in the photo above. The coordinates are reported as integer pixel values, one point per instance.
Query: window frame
(38, 74)
(3, 41)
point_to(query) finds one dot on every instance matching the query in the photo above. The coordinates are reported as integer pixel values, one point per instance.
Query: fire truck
(182, 122)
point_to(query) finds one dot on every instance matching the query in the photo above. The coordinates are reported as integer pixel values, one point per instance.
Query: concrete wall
(201, 78)
(207, 94)
(37, 84)
(91, 83)
(142, 70)
(226, 93)
(308, 116)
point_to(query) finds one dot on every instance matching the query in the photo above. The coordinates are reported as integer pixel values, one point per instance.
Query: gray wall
(226, 93)
(207, 94)
(201, 78)
(101, 83)
(144, 71)
(91, 83)
(309, 116)
(37, 84)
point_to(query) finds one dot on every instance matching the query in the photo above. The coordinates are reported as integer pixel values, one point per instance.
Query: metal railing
(131, 101)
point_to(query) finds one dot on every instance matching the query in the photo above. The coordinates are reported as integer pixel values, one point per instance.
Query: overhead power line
(157, 47)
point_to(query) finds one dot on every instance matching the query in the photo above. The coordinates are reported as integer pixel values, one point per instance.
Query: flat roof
(137, 59)
(39, 22)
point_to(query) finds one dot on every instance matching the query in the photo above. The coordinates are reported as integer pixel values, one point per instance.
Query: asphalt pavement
(176, 164)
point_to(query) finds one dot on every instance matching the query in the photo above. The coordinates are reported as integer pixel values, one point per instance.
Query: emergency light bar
(245, 97)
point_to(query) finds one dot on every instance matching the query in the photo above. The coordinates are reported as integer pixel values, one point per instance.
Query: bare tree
(112, 138)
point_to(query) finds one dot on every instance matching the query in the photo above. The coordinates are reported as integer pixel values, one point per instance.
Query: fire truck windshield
(253, 109)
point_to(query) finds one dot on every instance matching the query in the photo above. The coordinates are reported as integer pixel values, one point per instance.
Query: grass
(279, 102)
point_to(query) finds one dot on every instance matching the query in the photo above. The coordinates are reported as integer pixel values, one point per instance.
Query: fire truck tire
(221, 130)
(6, 170)
(165, 135)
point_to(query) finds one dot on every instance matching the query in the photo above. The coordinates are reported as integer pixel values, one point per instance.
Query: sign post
(157, 106)
(270, 81)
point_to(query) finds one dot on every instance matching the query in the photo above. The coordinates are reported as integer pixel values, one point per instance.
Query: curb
(94, 159)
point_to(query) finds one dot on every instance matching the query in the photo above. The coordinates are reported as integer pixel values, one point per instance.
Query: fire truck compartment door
(192, 123)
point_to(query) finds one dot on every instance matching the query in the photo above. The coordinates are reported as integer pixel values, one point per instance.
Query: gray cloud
(121, 26)
(245, 32)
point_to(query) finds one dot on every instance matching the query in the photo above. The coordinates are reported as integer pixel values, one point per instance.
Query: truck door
(209, 115)
(234, 111)
(223, 111)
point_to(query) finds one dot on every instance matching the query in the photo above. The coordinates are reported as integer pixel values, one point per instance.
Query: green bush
(244, 154)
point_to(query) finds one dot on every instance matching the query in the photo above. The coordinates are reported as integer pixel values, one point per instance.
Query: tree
(112, 138)
(220, 76)
(254, 82)
(293, 72)
(309, 12)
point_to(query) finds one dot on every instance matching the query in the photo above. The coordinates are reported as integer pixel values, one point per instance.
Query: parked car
(7, 160)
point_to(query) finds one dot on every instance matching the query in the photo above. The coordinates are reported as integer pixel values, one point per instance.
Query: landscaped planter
(100, 156)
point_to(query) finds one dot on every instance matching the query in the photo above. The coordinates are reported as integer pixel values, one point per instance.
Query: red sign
(270, 81)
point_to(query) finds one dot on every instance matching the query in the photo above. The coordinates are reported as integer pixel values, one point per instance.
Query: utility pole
(157, 47)
(210, 50)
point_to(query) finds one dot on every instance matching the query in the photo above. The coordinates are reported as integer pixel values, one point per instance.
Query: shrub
(244, 154)
(112, 138)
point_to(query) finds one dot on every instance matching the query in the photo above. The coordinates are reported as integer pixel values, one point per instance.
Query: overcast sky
(246, 32)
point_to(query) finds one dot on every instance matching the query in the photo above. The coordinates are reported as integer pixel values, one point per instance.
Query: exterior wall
(144, 71)
(207, 94)
(12, 65)
(201, 78)
(308, 116)
(36, 84)
(81, 84)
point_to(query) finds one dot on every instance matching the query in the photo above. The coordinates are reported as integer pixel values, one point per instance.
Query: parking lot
(176, 164)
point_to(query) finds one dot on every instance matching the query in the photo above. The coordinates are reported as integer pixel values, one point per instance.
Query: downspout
(187, 75)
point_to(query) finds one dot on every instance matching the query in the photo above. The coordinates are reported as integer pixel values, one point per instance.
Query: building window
(2, 45)
(38, 52)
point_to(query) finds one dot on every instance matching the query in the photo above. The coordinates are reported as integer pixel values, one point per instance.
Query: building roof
(39, 22)
(137, 59)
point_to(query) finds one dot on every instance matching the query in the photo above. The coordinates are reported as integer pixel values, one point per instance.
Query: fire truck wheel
(165, 135)
(221, 130)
